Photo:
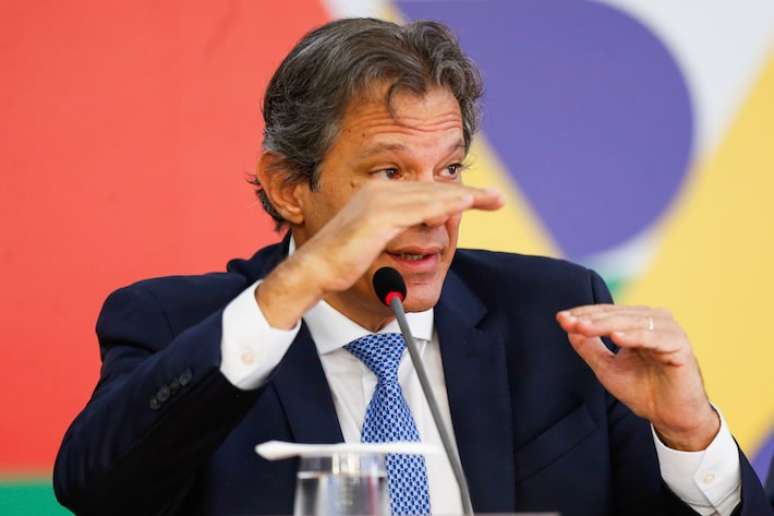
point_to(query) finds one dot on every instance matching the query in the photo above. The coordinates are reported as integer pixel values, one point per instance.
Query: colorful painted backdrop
(635, 137)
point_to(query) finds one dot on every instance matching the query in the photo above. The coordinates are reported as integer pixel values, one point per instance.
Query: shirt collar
(331, 330)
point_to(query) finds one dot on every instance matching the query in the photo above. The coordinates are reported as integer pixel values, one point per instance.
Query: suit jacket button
(185, 377)
(174, 386)
(154, 403)
(163, 394)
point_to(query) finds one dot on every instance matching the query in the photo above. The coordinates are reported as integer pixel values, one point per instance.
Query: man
(367, 125)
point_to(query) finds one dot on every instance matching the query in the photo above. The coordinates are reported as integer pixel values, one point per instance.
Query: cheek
(323, 205)
(453, 229)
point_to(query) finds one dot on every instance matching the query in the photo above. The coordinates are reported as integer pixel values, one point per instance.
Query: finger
(437, 210)
(487, 199)
(607, 325)
(628, 317)
(437, 215)
(579, 311)
(595, 310)
(623, 322)
(433, 204)
(585, 309)
(589, 327)
(593, 351)
(425, 192)
(417, 209)
(643, 314)
(659, 342)
(568, 319)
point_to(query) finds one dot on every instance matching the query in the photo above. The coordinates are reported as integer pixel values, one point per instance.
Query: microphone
(391, 290)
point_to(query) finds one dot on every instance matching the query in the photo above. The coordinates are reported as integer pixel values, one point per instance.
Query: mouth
(416, 260)
(411, 257)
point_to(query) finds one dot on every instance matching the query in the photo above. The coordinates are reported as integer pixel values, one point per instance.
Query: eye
(387, 173)
(453, 171)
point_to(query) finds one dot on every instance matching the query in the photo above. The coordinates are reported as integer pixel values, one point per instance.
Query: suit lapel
(474, 364)
(477, 386)
(305, 394)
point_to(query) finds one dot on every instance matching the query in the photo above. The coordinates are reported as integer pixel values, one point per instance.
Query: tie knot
(381, 353)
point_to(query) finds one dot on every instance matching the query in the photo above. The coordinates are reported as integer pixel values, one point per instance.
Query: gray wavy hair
(308, 94)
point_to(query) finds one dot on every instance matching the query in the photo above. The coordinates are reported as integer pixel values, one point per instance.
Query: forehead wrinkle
(374, 131)
(379, 148)
(383, 147)
(379, 120)
(434, 121)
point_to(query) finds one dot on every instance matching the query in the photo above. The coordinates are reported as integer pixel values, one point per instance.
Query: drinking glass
(343, 484)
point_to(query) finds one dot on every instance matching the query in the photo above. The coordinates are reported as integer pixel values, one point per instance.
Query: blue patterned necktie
(388, 418)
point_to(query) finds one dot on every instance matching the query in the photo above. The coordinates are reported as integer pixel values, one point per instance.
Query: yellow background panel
(715, 267)
(513, 228)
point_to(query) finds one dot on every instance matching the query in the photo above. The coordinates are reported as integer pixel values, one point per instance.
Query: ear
(284, 195)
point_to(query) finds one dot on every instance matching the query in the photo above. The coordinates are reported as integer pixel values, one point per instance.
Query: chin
(422, 297)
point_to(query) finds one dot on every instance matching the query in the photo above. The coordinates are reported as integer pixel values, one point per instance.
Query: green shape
(29, 496)
(615, 285)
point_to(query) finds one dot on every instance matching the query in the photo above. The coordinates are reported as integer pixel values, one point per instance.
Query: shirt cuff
(250, 348)
(709, 481)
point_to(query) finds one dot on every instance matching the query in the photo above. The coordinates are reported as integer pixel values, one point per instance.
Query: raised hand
(655, 372)
(375, 215)
(343, 250)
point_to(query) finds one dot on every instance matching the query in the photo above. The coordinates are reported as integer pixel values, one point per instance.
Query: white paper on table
(274, 450)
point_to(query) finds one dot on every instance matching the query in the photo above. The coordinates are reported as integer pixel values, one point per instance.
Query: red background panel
(128, 130)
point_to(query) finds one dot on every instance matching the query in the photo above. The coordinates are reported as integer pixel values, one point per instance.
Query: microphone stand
(400, 315)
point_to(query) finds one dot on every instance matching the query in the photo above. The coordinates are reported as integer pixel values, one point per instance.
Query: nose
(426, 174)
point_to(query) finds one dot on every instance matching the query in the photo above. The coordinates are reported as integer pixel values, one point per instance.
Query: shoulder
(172, 302)
(516, 264)
(183, 300)
(497, 271)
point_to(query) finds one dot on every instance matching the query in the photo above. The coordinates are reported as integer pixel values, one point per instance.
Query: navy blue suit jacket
(166, 433)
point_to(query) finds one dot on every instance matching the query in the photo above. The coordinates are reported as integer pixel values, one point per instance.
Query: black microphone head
(388, 283)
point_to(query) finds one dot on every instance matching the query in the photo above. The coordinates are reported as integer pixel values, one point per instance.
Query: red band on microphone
(391, 295)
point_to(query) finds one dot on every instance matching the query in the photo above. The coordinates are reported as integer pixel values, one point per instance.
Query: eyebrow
(382, 147)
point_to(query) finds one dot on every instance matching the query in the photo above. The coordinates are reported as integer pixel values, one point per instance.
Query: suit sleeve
(160, 409)
(637, 484)
(250, 348)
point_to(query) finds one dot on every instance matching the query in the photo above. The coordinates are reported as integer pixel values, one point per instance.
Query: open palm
(654, 373)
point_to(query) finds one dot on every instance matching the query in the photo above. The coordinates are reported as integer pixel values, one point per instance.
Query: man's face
(423, 142)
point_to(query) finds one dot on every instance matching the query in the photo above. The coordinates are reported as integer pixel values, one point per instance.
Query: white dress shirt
(709, 481)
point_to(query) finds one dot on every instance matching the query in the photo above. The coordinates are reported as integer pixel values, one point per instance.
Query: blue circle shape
(586, 108)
